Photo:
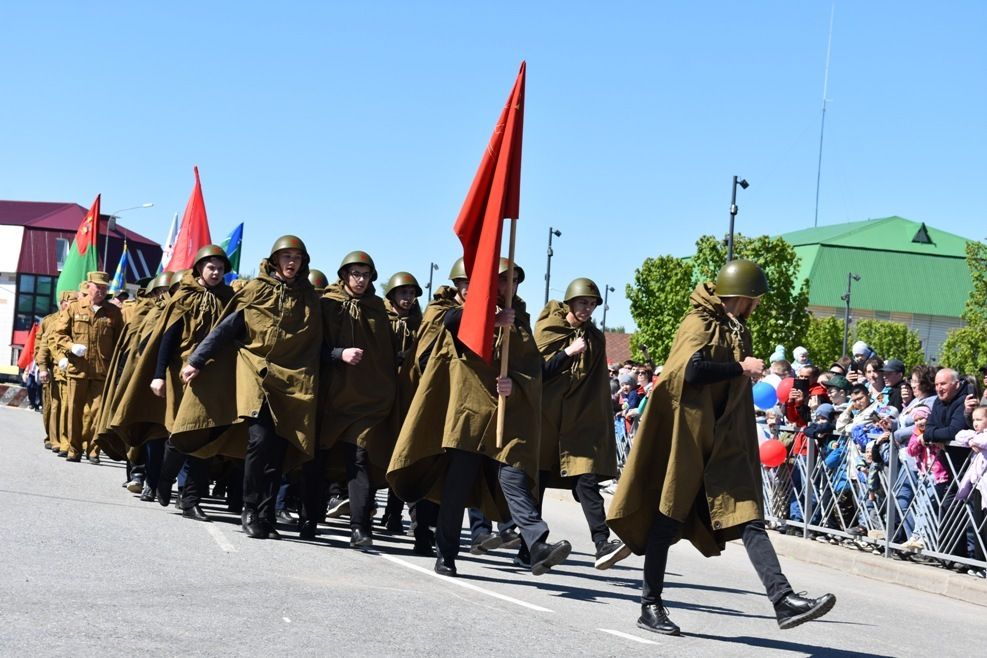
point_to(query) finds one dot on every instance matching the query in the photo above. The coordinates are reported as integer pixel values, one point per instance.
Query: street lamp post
(432, 267)
(111, 225)
(742, 182)
(607, 289)
(548, 265)
(850, 278)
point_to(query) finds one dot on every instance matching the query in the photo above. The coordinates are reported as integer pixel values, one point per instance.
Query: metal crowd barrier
(890, 510)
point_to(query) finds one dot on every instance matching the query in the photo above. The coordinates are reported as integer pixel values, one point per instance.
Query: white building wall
(8, 291)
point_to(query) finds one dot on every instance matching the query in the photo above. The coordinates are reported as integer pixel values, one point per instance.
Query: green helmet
(162, 280)
(289, 242)
(358, 258)
(458, 270)
(318, 279)
(582, 287)
(741, 278)
(518, 270)
(400, 279)
(176, 277)
(210, 251)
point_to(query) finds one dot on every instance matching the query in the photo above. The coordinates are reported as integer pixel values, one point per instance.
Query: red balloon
(784, 388)
(773, 453)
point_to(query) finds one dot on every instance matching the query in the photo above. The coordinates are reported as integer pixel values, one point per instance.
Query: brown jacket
(98, 330)
(695, 454)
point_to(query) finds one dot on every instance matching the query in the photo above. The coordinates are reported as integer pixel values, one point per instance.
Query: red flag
(27, 356)
(88, 231)
(194, 233)
(494, 195)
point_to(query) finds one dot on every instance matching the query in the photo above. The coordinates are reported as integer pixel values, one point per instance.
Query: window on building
(61, 252)
(35, 299)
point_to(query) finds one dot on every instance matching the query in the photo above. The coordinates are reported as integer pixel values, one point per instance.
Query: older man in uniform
(694, 472)
(85, 334)
(52, 400)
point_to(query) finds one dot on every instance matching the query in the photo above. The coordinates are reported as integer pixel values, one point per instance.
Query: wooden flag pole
(505, 342)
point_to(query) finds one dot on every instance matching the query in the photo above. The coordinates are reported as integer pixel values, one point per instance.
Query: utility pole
(742, 182)
(850, 278)
(548, 265)
(607, 289)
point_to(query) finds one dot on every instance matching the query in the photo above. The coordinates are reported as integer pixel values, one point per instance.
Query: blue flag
(120, 278)
(231, 245)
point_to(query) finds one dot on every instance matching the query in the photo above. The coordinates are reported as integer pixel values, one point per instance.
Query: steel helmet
(162, 280)
(518, 270)
(399, 279)
(358, 258)
(211, 251)
(741, 278)
(289, 242)
(176, 277)
(318, 279)
(582, 287)
(458, 270)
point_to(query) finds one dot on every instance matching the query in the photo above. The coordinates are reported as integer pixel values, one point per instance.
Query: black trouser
(358, 484)
(587, 490)
(395, 506)
(461, 473)
(425, 514)
(197, 480)
(262, 465)
(759, 549)
(154, 451)
(313, 488)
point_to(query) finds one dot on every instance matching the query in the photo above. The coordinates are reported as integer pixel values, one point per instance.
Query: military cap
(358, 258)
(289, 242)
(741, 278)
(518, 270)
(400, 279)
(318, 279)
(458, 270)
(99, 278)
(582, 287)
(211, 251)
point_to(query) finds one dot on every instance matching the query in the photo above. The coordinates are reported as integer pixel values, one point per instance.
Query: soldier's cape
(276, 362)
(577, 434)
(455, 407)
(405, 329)
(695, 455)
(359, 399)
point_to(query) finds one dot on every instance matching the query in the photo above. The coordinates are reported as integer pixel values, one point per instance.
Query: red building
(34, 240)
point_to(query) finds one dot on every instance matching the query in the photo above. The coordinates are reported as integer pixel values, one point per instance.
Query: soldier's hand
(578, 346)
(43, 376)
(352, 355)
(505, 318)
(189, 373)
(63, 363)
(158, 387)
(79, 350)
(504, 386)
(753, 367)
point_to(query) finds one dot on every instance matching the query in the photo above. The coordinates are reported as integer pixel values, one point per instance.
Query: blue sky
(360, 125)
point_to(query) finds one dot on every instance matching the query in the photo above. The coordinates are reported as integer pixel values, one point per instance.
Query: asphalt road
(87, 569)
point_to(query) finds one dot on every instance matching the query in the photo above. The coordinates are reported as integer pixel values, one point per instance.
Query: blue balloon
(765, 396)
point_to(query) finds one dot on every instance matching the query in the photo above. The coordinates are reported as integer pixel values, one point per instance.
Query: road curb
(921, 577)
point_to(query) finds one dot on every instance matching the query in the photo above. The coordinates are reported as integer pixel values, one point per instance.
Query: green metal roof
(897, 274)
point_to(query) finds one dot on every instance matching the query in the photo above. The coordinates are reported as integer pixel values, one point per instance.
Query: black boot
(797, 609)
(164, 492)
(360, 539)
(195, 513)
(307, 529)
(252, 525)
(654, 617)
(545, 556)
(445, 567)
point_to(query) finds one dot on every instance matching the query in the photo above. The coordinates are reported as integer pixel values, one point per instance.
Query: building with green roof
(909, 273)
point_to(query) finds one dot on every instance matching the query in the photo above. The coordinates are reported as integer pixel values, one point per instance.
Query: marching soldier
(461, 466)
(360, 393)
(52, 396)
(578, 448)
(694, 472)
(86, 333)
(253, 382)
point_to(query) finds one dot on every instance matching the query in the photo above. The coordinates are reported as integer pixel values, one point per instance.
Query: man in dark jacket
(945, 420)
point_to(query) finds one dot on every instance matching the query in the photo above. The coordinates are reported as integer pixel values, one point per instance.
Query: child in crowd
(801, 357)
(973, 486)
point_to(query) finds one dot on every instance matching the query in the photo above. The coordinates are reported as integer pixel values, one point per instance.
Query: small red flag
(88, 229)
(494, 195)
(194, 233)
(27, 356)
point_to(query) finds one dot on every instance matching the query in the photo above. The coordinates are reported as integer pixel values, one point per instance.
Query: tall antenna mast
(822, 124)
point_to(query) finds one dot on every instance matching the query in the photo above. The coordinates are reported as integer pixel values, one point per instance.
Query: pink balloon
(773, 453)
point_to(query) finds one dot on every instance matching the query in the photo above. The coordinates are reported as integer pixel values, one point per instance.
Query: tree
(781, 318)
(659, 299)
(824, 340)
(965, 349)
(891, 340)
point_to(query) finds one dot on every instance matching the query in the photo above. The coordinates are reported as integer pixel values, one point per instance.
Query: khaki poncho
(455, 406)
(695, 454)
(276, 362)
(577, 412)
